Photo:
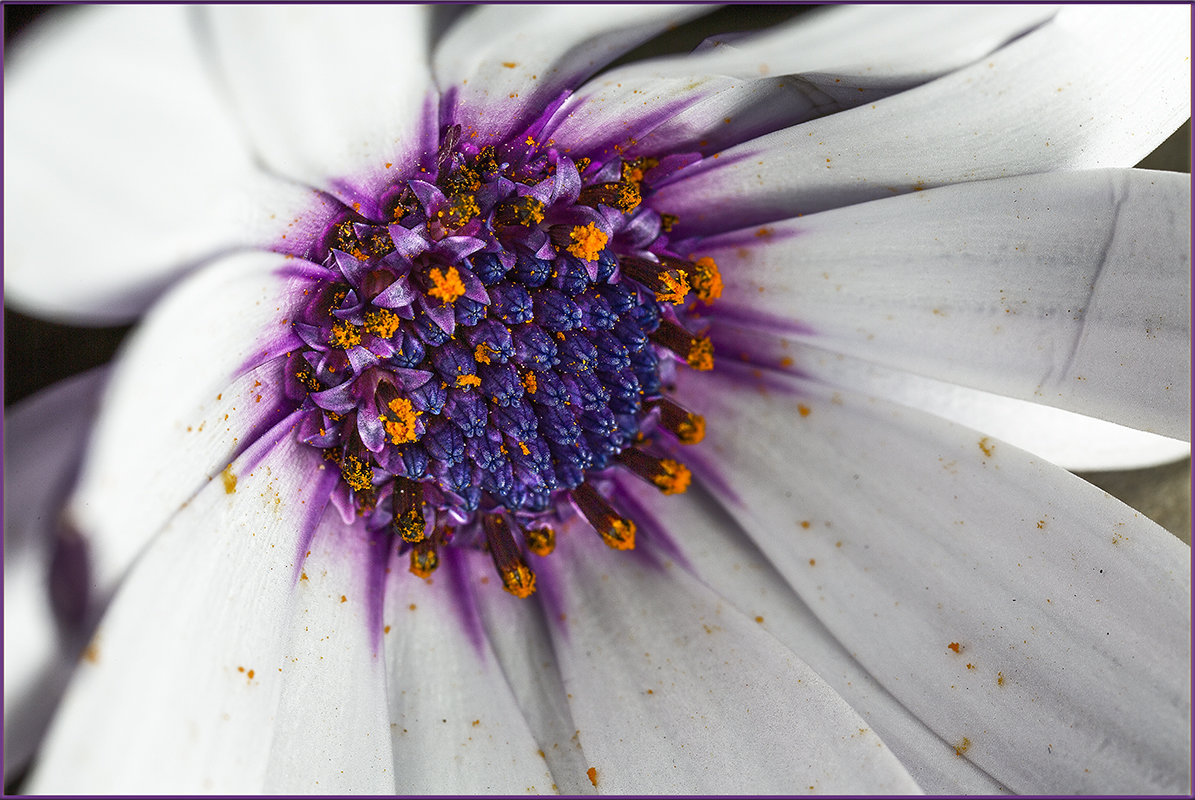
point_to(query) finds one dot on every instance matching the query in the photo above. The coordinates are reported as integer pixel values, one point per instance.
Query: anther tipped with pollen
(409, 522)
(424, 559)
(540, 539)
(517, 577)
(669, 284)
(689, 428)
(616, 531)
(697, 351)
(623, 195)
(669, 476)
(706, 280)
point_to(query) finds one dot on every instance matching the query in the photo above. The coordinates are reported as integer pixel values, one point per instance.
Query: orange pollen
(529, 382)
(482, 354)
(691, 430)
(588, 241)
(707, 280)
(701, 355)
(519, 580)
(344, 335)
(401, 427)
(620, 535)
(463, 381)
(541, 541)
(424, 559)
(381, 323)
(447, 286)
(356, 473)
(674, 478)
(676, 286)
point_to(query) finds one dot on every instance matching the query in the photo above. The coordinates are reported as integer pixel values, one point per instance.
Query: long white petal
(1074, 441)
(1036, 624)
(179, 406)
(181, 686)
(338, 97)
(43, 442)
(457, 728)
(668, 685)
(818, 64)
(695, 532)
(1069, 289)
(122, 168)
(501, 65)
(1094, 87)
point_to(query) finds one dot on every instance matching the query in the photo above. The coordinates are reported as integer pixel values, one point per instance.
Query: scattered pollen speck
(592, 773)
(803, 410)
(476, 722)
(955, 646)
(386, 629)
(805, 524)
(962, 746)
(343, 599)
(970, 666)
(985, 444)
(303, 577)
(999, 678)
(249, 674)
(812, 562)
(230, 480)
(759, 620)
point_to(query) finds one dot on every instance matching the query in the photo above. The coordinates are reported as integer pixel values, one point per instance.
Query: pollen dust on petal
(985, 444)
(230, 480)
(593, 776)
(955, 646)
(962, 747)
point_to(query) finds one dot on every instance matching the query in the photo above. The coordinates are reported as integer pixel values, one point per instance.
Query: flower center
(479, 362)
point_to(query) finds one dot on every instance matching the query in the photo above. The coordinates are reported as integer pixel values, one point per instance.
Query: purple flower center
(483, 357)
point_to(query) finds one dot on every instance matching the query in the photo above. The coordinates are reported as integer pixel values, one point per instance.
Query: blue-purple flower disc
(492, 348)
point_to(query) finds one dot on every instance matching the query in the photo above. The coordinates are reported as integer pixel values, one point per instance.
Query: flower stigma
(481, 360)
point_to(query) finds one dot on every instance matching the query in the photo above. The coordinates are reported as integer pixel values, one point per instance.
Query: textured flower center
(481, 359)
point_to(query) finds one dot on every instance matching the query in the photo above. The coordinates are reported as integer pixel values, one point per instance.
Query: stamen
(707, 280)
(424, 558)
(697, 351)
(446, 286)
(689, 428)
(381, 323)
(670, 285)
(517, 577)
(540, 540)
(623, 195)
(525, 211)
(671, 477)
(408, 510)
(616, 531)
(357, 473)
(344, 335)
(587, 241)
(461, 209)
(306, 375)
(400, 423)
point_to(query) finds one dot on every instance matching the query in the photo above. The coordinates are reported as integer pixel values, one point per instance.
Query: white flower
(863, 594)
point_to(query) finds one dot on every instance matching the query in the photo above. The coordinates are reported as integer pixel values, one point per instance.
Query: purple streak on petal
(658, 546)
(454, 566)
(322, 488)
(305, 234)
(603, 144)
(549, 588)
(746, 317)
(377, 567)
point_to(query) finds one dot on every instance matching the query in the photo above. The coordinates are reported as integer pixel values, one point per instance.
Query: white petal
(818, 64)
(43, 442)
(1094, 87)
(670, 686)
(165, 700)
(699, 535)
(331, 731)
(338, 97)
(179, 406)
(1070, 440)
(1029, 619)
(500, 66)
(457, 727)
(1068, 289)
(122, 168)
